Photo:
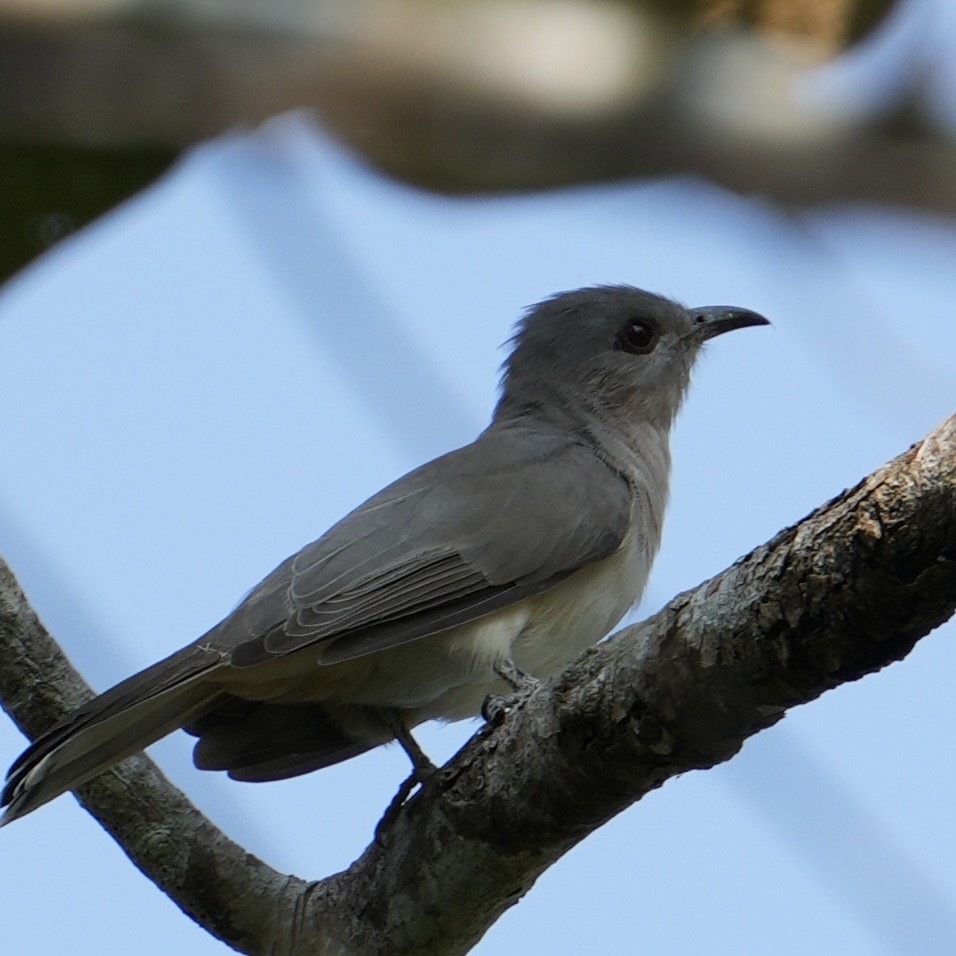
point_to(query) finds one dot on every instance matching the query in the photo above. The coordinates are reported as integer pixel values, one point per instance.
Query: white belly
(541, 634)
(448, 676)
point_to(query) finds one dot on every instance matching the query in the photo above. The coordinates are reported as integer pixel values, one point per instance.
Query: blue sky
(210, 376)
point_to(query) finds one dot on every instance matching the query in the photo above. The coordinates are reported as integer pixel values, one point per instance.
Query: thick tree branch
(848, 590)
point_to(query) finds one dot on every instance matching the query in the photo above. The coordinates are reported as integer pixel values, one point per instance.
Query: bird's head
(614, 347)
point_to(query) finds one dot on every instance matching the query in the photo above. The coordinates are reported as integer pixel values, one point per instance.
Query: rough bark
(848, 590)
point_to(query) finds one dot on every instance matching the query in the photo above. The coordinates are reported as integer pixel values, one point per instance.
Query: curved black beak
(711, 320)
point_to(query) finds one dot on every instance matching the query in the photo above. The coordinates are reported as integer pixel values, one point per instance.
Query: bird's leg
(496, 706)
(511, 674)
(423, 770)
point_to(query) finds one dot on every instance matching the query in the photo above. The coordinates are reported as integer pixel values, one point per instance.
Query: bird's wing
(485, 526)
(466, 534)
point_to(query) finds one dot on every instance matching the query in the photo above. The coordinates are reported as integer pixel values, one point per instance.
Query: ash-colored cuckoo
(504, 558)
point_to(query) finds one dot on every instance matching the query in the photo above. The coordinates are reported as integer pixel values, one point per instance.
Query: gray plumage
(516, 551)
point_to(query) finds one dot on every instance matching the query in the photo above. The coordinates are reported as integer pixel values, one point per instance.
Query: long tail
(120, 722)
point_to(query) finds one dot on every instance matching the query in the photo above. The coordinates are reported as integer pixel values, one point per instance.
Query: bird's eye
(636, 337)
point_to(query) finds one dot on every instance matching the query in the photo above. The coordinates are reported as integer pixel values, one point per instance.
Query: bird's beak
(711, 320)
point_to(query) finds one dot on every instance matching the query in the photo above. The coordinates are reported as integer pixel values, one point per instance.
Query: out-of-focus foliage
(466, 95)
(47, 192)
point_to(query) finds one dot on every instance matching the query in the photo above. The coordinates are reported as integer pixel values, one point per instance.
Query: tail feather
(262, 740)
(120, 722)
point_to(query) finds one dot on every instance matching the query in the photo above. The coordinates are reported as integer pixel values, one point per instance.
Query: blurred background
(259, 260)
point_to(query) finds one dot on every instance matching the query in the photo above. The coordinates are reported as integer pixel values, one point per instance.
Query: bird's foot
(413, 780)
(497, 706)
(424, 773)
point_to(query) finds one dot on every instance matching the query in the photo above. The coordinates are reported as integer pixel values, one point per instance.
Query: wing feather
(471, 532)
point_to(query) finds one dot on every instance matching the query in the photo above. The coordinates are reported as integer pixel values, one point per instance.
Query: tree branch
(848, 590)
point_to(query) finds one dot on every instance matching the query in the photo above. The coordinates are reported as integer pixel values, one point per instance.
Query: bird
(479, 573)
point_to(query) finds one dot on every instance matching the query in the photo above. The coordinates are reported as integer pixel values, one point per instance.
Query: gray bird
(505, 558)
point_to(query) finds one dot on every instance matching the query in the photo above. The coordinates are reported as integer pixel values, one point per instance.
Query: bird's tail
(120, 722)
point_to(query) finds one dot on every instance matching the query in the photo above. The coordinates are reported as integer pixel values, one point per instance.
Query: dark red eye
(636, 337)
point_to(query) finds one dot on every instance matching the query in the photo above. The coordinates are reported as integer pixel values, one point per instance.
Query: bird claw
(396, 804)
(497, 706)
(423, 774)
